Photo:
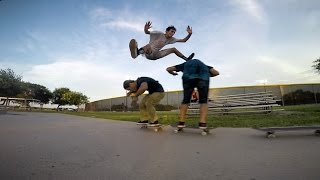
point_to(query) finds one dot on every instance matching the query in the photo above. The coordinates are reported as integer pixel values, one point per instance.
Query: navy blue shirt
(153, 85)
(194, 69)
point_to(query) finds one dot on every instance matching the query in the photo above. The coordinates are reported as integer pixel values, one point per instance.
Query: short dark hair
(126, 83)
(171, 27)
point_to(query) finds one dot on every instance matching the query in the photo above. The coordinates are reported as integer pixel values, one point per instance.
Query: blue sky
(83, 45)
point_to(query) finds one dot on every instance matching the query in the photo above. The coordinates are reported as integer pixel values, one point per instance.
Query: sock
(140, 51)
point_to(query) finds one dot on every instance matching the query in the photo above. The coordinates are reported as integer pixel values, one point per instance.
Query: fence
(289, 94)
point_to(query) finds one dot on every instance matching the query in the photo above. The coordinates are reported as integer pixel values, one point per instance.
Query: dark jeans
(201, 85)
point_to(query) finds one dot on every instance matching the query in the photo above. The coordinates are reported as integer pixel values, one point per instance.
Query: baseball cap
(126, 83)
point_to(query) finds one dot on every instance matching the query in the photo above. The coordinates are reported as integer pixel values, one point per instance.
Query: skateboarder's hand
(147, 25)
(189, 30)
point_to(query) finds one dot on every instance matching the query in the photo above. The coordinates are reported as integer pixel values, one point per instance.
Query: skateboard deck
(270, 131)
(156, 127)
(204, 132)
(133, 45)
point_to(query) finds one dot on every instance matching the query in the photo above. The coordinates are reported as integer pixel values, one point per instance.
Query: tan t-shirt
(158, 40)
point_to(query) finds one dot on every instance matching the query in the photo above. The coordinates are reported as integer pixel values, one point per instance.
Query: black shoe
(154, 122)
(202, 125)
(190, 57)
(181, 125)
(143, 122)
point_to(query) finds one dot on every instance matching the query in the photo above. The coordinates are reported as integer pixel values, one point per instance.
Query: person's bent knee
(173, 50)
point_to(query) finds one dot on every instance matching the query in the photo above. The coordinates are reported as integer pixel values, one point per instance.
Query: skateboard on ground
(156, 127)
(133, 46)
(204, 132)
(270, 131)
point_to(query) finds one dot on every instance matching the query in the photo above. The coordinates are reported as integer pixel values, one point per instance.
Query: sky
(83, 44)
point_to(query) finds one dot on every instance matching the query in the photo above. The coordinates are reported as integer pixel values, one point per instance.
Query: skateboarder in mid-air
(147, 104)
(158, 40)
(195, 75)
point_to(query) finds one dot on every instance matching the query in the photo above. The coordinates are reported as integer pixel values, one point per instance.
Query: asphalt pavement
(58, 146)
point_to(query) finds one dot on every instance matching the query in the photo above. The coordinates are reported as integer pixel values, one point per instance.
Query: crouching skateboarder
(147, 104)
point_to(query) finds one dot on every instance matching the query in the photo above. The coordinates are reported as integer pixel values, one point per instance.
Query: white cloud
(253, 8)
(100, 12)
(122, 24)
(119, 19)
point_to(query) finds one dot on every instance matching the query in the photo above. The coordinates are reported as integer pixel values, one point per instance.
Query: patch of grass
(292, 116)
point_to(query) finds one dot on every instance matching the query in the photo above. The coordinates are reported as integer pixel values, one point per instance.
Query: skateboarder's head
(127, 84)
(170, 31)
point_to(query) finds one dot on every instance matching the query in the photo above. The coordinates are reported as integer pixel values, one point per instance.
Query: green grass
(293, 115)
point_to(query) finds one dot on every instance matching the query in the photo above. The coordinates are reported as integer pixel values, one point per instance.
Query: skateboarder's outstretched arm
(213, 72)
(172, 70)
(189, 30)
(147, 26)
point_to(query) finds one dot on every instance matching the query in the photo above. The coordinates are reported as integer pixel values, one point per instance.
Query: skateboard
(270, 131)
(204, 132)
(156, 127)
(133, 46)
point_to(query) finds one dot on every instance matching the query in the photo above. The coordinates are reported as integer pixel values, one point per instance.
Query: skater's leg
(203, 112)
(203, 89)
(183, 112)
(188, 87)
(143, 109)
(153, 100)
(168, 51)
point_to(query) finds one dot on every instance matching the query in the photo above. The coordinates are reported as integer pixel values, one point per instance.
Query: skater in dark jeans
(195, 75)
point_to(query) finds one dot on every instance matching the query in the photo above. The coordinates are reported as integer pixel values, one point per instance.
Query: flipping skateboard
(133, 46)
(204, 132)
(270, 131)
(156, 127)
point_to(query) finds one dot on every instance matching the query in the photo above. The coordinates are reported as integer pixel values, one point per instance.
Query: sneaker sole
(133, 45)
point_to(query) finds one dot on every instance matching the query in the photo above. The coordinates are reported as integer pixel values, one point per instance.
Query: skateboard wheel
(156, 130)
(317, 132)
(204, 133)
(176, 131)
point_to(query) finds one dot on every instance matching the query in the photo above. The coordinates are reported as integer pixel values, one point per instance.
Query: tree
(316, 65)
(58, 96)
(75, 98)
(10, 83)
(36, 91)
(43, 94)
